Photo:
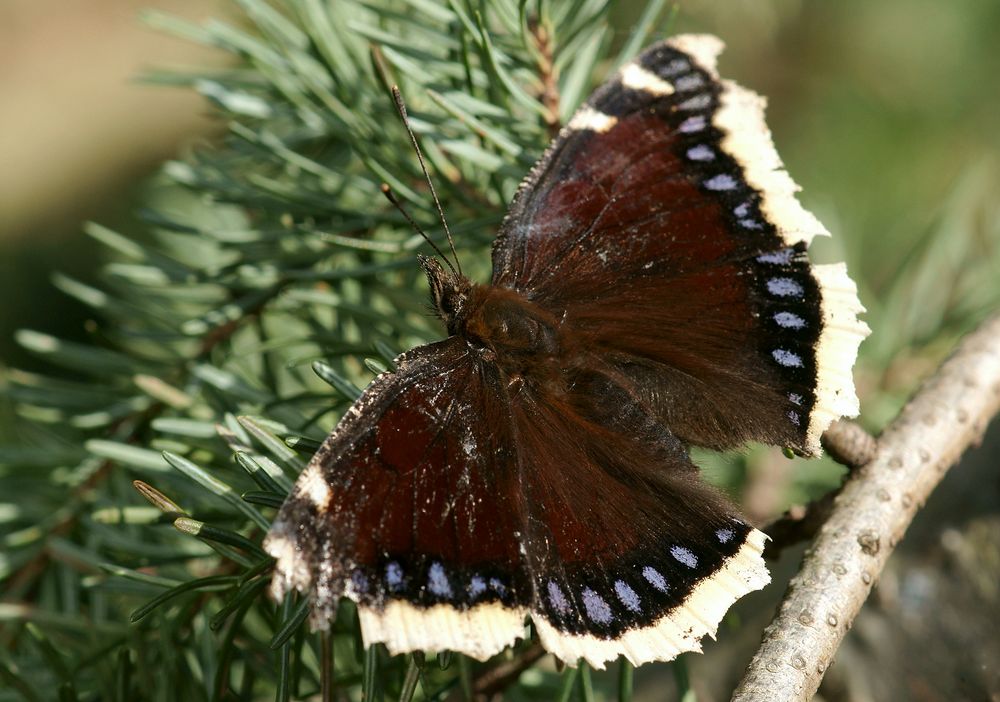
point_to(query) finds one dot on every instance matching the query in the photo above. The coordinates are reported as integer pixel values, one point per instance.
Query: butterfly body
(650, 292)
(524, 341)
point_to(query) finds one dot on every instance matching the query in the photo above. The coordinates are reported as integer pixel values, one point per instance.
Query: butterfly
(650, 293)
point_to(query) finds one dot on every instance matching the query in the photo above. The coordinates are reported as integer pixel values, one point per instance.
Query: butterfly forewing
(646, 227)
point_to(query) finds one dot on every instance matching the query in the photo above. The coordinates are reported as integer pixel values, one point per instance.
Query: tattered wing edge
(679, 630)
(291, 571)
(480, 632)
(836, 351)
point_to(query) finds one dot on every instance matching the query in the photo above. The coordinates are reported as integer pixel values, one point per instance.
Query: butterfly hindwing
(629, 553)
(662, 226)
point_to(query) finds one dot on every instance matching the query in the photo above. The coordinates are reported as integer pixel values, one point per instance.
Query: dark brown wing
(629, 553)
(411, 508)
(449, 511)
(450, 505)
(661, 227)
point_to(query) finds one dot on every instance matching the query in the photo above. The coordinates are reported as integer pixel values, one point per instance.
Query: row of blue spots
(688, 83)
(778, 286)
(793, 416)
(784, 287)
(598, 609)
(438, 582)
(702, 152)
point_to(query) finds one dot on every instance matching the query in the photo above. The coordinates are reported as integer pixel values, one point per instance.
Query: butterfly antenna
(391, 197)
(401, 108)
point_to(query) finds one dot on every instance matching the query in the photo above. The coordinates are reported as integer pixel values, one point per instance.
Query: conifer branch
(271, 283)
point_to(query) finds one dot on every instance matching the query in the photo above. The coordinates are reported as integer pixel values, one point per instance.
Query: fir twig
(495, 679)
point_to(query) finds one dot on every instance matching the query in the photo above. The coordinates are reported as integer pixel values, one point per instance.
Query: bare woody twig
(800, 523)
(869, 517)
(848, 444)
(495, 679)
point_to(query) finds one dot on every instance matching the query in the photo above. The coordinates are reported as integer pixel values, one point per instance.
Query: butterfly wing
(628, 552)
(449, 509)
(410, 509)
(661, 226)
(450, 504)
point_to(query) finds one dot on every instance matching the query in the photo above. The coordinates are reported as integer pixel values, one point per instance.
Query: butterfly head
(450, 291)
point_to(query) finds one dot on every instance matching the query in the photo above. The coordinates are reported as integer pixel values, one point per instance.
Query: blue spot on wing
(684, 555)
(437, 581)
(597, 609)
(655, 578)
(627, 595)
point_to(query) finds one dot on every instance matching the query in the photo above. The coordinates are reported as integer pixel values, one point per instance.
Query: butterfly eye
(446, 303)
(450, 303)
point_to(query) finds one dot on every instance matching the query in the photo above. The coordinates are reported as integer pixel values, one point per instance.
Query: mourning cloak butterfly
(650, 292)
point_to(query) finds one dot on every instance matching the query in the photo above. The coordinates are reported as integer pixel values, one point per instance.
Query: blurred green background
(885, 112)
(78, 135)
